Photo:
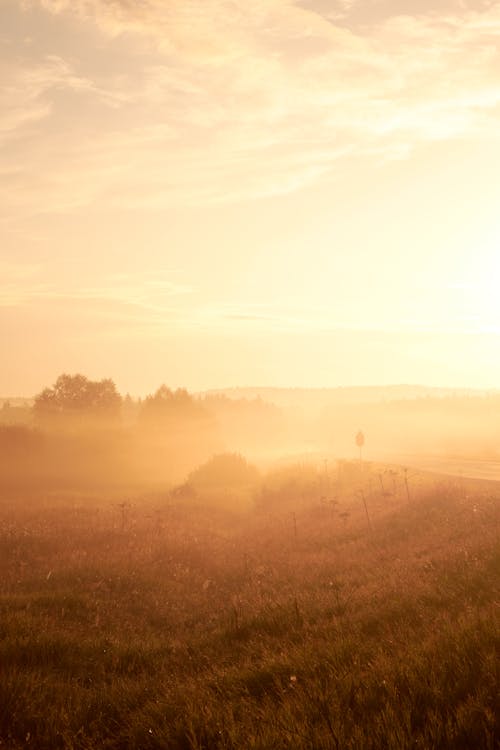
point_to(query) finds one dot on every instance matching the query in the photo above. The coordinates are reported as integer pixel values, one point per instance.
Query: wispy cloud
(224, 101)
(28, 284)
(24, 96)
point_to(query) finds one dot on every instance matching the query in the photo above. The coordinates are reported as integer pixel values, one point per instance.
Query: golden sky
(249, 192)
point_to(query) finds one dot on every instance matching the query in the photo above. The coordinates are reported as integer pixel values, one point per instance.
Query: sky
(213, 193)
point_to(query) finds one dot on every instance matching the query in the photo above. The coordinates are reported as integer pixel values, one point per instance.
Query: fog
(206, 570)
(80, 435)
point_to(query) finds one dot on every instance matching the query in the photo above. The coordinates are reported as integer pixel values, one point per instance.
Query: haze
(249, 193)
(249, 374)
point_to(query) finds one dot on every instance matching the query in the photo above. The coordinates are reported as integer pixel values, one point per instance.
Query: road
(467, 468)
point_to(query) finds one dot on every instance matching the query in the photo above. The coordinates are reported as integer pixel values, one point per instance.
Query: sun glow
(479, 288)
(279, 191)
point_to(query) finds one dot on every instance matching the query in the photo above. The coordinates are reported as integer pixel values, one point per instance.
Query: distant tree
(130, 409)
(224, 470)
(225, 480)
(76, 398)
(15, 413)
(167, 405)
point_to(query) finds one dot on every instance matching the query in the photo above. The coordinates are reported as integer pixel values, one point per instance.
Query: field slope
(160, 626)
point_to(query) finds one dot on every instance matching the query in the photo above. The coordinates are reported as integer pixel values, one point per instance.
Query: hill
(310, 397)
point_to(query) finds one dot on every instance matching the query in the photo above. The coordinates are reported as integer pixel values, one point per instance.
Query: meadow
(353, 621)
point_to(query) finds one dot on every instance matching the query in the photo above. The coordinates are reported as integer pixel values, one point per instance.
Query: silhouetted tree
(15, 413)
(227, 480)
(76, 398)
(167, 405)
(224, 470)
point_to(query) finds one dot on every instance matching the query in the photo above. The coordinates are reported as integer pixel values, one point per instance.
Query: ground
(370, 622)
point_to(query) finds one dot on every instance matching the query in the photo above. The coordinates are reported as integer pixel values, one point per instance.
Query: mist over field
(249, 374)
(83, 435)
(249, 568)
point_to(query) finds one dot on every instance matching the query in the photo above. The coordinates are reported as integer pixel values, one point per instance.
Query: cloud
(144, 294)
(229, 101)
(211, 30)
(23, 97)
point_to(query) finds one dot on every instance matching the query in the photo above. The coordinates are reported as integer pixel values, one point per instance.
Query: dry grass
(155, 626)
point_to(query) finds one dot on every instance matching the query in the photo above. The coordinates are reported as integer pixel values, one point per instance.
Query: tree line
(78, 401)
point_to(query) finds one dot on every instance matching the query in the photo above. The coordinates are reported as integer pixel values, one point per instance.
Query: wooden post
(366, 510)
(406, 485)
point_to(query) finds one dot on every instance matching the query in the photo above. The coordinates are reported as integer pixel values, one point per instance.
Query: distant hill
(290, 397)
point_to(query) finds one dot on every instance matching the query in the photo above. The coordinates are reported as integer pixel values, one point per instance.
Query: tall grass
(189, 629)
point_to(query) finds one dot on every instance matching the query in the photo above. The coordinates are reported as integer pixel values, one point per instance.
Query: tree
(76, 399)
(166, 406)
(229, 470)
(225, 480)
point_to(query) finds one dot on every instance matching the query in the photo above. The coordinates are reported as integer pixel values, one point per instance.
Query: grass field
(161, 626)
